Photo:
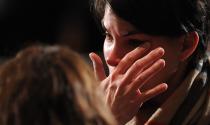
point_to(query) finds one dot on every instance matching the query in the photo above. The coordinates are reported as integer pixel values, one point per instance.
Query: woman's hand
(122, 86)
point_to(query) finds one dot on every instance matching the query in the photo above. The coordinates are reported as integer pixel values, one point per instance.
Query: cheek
(172, 52)
(172, 59)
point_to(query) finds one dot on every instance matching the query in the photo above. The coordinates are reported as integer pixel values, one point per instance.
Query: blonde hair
(50, 85)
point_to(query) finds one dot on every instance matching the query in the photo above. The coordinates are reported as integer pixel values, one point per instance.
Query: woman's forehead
(112, 22)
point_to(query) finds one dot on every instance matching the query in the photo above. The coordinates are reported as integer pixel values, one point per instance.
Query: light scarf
(190, 103)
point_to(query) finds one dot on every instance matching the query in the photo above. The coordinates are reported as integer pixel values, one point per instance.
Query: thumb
(98, 66)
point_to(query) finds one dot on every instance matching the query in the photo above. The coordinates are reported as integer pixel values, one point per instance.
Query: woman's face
(122, 37)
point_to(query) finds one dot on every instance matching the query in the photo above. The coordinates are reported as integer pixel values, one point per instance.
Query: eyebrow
(133, 32)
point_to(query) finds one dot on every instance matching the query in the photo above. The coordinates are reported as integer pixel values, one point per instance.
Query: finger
(131, 57)
(145, 96)
(98, 66)
(147, 75)
(144, 63)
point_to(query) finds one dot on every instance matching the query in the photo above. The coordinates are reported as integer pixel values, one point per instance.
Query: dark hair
(50, 86)
(161, 17)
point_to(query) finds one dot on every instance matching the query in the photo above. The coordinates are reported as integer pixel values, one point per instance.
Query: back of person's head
(50, 86)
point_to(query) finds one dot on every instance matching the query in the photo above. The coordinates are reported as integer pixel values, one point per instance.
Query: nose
(114, 56)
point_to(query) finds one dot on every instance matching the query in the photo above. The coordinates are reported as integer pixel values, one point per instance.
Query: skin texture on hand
(122, 87)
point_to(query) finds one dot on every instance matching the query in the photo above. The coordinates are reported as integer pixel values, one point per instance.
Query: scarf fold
(190, 103)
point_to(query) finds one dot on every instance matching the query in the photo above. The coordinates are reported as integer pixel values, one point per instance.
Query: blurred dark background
(65, 22)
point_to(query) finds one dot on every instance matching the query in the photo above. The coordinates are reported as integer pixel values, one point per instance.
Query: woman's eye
(136, 43)
(108, 36)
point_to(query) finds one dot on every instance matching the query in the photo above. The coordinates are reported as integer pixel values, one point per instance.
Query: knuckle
(129, 56)
(123, 61)
(152, 55)
(112, 77)
(138, 64)
(140, 78)
(112, 87)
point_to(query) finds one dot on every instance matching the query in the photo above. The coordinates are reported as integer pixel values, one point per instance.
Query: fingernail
(90, 55)
(165, 86)
(160, 51)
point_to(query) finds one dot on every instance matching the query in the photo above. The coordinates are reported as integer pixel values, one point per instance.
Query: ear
(189, 45)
